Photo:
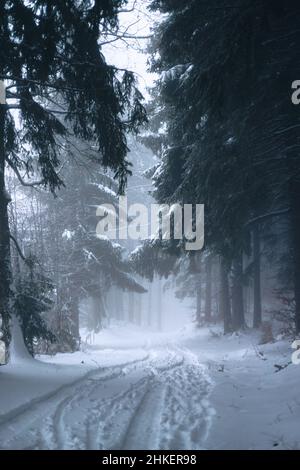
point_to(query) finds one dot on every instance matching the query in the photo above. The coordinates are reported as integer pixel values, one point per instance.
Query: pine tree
(225, 74)
(32, 301)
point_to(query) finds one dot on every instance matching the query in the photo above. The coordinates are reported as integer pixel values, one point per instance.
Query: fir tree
(53, 66)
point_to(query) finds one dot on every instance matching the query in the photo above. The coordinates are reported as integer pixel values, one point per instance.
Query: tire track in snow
(70, 422)
(31, 427)
(175, 413)
(158, 402)
(102, 429)
(110, 421)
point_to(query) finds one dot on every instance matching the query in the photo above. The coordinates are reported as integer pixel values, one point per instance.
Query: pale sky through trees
(149, 229)
(130, 52)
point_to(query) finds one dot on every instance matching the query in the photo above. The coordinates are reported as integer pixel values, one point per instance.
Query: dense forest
(218, 126)
(230, 141)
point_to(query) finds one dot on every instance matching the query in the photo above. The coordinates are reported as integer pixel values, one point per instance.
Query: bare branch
(267, 216)
(21, 254)
(23, 183)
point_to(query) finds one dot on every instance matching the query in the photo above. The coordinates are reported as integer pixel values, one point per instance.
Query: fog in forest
(149, 227)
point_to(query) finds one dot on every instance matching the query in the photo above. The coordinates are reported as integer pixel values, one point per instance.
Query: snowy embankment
(133, 389)
(135, 398)
(257, 404)
(26, 381)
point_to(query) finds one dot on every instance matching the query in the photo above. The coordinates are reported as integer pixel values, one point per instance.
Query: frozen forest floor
(133, 389)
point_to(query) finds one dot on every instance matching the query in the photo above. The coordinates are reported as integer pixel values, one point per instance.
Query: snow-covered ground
(132, 389)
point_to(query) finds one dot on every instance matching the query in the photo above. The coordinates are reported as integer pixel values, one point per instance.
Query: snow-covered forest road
(135, 389)
(158, 401)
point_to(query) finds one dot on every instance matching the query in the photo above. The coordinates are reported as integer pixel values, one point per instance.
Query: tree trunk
(208, 271)
(257, 313)
(159, 305)
(131, 307)
(196, 269)
(120, 295)
(225, 309)
(295, 232)
(238, 315)
(140, 309)
(75, 319)
(198, 299)
(5, 269)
